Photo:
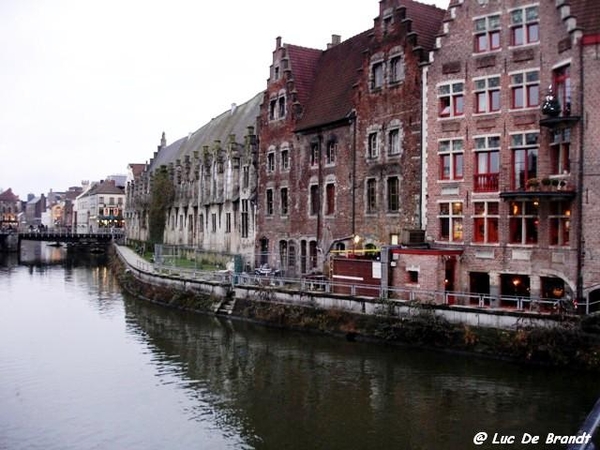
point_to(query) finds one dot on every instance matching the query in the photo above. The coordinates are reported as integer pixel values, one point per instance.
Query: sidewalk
(133, 259)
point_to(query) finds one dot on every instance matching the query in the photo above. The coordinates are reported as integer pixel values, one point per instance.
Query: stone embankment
(532, 338)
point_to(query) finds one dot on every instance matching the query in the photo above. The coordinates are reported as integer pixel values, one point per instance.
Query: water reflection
(301, 391)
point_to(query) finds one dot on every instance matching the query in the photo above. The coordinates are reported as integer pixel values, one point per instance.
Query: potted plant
(532, 184)
(546, 182)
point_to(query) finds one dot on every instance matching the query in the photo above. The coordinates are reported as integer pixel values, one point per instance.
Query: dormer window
(276, 73)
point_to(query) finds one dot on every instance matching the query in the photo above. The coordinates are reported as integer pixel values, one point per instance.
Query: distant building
(10, 208)
(99, 207)
(34, 209)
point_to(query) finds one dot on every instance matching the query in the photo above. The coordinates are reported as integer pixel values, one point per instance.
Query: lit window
(487, 33)
(523, 222)
(485, 222)
(451, 159)
(451, 221)
(525, 28)
(487, 94)
(525, 88)
(451, 99)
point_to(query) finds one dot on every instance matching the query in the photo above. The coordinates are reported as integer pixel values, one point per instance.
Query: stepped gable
(335, 75)
(426, 21)
(587, 14)
(303, 64)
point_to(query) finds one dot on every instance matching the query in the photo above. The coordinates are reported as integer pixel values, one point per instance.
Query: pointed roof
(303, 64)
(331, 96)
(8, 196)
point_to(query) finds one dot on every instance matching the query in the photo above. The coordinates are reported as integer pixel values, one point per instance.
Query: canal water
(83, 366)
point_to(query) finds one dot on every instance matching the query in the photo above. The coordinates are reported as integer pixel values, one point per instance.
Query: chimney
(278, 42)
(335, 40)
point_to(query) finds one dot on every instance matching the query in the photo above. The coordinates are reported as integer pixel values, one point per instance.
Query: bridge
(12, 241)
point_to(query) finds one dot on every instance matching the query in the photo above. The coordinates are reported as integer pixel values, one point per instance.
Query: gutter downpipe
(353, 119)
(580, 239)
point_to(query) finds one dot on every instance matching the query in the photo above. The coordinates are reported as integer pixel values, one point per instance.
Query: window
(525, 28)
(451, 99)
(269, 200)
(393, 194)
(413, 276)
(487, 94)
(562, 87)
(373, 148)
(111, 200)
(377, 75)
(559, 151)
(371, 195)
(560, 223)
(396, 69)
(272, 109)
(524, 160)
(485, 222)
(245, 219)
(314, 200)
(314, 153)
(214, 222)
(330, 198)
(525, 89)
(281, 103)
(228, 223)
(451, 159)
(487, 33)
(284, 201)
(100, 200)
(487, 164)
(451, 221)
(523, 222)
(285, 160)
(270, 161)
(201, 223)
(245, 176)
(394, 142)
(331, 152)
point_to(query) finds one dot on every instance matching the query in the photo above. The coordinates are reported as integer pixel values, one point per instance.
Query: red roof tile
(336, 73)
(426, 21)
(8, 196)
(303, 63)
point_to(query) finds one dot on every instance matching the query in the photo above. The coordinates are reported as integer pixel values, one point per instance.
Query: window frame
(529, 162)
(489, 218)
(489, 34)
(523, 221)
(451, 219)
(454, 155)
(487, 98)
(521, 91)
(451, 103)
(487, 157)
(393, 194)
(526, 26)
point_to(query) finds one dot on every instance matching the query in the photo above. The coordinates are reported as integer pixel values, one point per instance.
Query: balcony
(486, 182)
(550, 189)
(560, 114)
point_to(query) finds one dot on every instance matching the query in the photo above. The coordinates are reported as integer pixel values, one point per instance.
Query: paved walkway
(133, 259)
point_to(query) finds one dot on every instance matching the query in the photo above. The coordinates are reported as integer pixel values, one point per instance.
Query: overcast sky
(87, 87)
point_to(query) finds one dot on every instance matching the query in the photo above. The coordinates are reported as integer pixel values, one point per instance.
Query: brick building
(508, 185)
(339, 157)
